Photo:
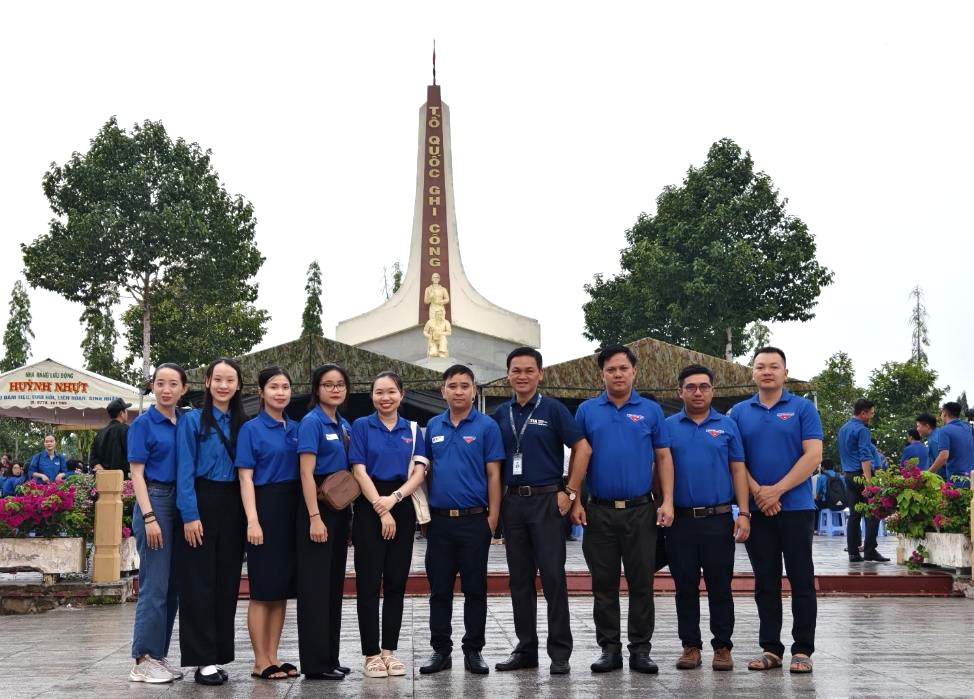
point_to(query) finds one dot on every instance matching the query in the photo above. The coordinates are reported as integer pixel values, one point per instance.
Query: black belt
(623, 504)
(162, 483)
(529, 490)
(458, 512)
(698, 512)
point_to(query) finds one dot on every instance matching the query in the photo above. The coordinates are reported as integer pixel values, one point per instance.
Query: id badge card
(517, 464)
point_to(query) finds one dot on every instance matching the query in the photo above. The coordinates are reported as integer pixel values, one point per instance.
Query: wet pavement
(890, 647)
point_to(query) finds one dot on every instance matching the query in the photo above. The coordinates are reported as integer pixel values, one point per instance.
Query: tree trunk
(146, 336)
(729, 346)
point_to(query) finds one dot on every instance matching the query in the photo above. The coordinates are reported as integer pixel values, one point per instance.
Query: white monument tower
(437, 318)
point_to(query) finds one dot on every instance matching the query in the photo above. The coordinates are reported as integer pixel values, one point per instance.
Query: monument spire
(434, 61)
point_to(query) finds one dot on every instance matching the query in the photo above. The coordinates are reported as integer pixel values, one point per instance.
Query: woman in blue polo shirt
(48, 466)
(322, 535)
(267, 463)
(152, 461)
(210, 551)
(388, 463)
(16, 477)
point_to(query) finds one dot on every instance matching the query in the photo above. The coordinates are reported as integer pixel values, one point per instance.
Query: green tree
(918, 327)
(835, 392)
(962, 399)
(99, 342)
(900, 390)
(141, 214)
(720, 253)
(17, 336)
(311, 318)
(396, 276)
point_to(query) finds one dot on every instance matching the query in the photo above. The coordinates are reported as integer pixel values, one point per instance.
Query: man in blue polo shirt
(709, 475)
(535, 429)
(782, 435)
(959, 443)
(626, 438)
(926, 425)
(465, 451)
(858, 457)
(915, 449)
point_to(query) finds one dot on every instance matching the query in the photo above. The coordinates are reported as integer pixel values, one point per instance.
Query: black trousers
(381, 564)
(209, 576)
(321, 581)
(853, 533)
(626, 537)
(786, 535)
(705, 543)
(535, 541)
(457, 545)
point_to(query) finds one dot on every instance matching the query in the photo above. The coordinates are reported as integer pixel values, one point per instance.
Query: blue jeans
(155, 611)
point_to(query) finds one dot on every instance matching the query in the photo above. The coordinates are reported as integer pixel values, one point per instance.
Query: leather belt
(623, 504)
(529, 490)
(457, 512)
(699, 512)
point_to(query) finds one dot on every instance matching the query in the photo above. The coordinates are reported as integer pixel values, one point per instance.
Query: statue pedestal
(438, 363)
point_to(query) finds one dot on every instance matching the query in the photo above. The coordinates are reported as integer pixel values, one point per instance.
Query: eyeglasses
(694, 387)
(332, 386)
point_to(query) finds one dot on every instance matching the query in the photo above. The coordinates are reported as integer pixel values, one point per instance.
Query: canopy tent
(52, 392)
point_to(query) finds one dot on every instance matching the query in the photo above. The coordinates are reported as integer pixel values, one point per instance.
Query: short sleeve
(309, 435)
(811, 422)
(864, 447)
(358, 447)
(661, 431)
(568, 429)
(493, 443)
(246, 456)
(735, 446)
(420, 442)
(138, 447)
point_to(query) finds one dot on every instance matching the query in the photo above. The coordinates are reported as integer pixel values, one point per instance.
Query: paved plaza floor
(890, 647)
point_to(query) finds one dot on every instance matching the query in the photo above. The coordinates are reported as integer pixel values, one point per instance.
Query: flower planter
(948, 550)
(54, 556)
(129, 554)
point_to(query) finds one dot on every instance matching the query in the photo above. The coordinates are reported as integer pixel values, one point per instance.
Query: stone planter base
(52, 557)
(948, 550)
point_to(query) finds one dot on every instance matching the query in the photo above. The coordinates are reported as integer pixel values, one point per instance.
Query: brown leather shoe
(722, 659)
(690, 658)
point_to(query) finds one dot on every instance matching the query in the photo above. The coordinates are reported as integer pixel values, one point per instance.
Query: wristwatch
(398, 496)
(571, 494)
(744, 514)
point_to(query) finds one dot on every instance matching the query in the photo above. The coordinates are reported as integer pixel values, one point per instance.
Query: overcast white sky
(567, 123)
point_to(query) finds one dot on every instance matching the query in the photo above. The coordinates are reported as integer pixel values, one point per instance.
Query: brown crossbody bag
(339, 489)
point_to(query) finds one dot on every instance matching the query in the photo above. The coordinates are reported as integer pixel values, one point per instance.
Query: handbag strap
(231, 450)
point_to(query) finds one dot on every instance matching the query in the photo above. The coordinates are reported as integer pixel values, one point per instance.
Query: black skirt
(271, 566)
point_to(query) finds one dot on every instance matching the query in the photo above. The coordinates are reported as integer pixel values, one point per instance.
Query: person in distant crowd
(926, 425)
(879, 458)
(958, 443)
(109, 450)
(626, 440)
(536, 429)
(782, 435)
(16, 477)
(5, 465)
(858, 457)
(466, 451)
(48, 465)
(709, 476)
(820, 483)
(915, 449)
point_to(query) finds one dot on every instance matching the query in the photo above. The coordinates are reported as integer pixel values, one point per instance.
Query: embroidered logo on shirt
(634, 417)
(715, 433)
(438, 438)
(469, 440)
(538, 421)
(785, 416)
(407, 440)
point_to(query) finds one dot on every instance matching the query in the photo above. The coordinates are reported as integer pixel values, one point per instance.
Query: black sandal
(290, 669)
(267, 672)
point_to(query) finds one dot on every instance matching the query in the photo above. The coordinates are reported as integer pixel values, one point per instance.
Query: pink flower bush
(37, 503)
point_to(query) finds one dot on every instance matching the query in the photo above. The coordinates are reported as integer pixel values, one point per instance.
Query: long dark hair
(316, 379)
(268, 373)
(235, 408)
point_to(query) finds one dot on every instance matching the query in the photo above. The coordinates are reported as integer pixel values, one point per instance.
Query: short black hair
(862, 405)
(694, 369)
(914, 435)
(459, 369)
(927, 419)
(952, 409)
(612, 350)
(768, 349)
(524, 352)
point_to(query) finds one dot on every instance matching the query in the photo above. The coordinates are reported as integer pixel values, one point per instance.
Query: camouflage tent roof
(659, 364)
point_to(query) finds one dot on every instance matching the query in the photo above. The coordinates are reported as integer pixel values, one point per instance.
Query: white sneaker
(177, 673)
(150, 670)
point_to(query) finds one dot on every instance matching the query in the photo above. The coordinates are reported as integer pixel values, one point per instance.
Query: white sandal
(394, 666)
(375, 667)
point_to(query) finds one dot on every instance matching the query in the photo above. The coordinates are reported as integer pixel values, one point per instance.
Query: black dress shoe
(560, 667)
(856, 558)
(342, 669)
(608, 662)
(517, 661)
(474, 662)
(212, 680)
(641, 662)
(876, 556)
(438, 661)
(326, 675)
(223, 674)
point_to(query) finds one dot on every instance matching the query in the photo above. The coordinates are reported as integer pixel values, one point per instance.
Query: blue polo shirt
(701, 458)
(918, 451)
(50, 466)
(936, 443)
(199, 456)
(459, 457)
(550, 429)
(773, 442)
(152, 441)
(960, 442)
(10, 484)
(623, 442)
(318, 434)
(855, 445)
(385, 453)
(270, 448)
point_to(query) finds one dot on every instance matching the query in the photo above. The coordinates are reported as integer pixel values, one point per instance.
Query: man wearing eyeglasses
(709, 475)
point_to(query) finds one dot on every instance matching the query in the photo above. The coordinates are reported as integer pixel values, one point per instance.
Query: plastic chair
(832, 522)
